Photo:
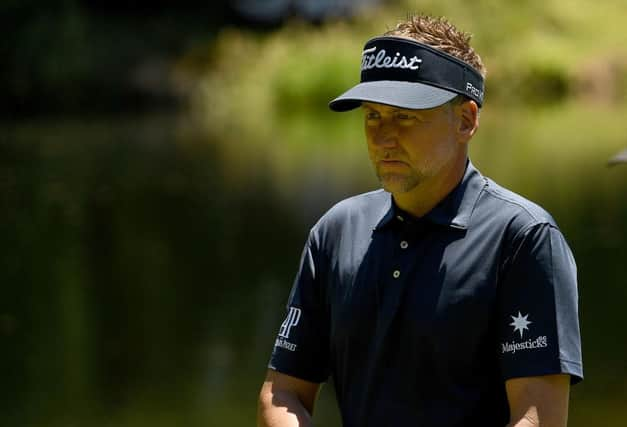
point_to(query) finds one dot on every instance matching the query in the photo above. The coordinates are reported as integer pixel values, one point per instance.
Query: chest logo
(520, 323)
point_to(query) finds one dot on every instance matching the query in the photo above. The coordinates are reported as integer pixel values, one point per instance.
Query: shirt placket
(394, 275)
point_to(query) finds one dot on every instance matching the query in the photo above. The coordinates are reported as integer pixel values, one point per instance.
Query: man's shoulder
(518, 211)
(364, 209)
(361, 202)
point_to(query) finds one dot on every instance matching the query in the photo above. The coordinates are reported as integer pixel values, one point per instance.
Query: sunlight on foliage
(551, 70)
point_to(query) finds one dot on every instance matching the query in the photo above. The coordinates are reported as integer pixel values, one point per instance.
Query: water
(139, 286)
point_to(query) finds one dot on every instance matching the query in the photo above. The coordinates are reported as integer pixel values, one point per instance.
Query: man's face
(411, 148)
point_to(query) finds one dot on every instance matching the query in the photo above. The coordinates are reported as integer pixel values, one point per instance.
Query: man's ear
(469, 119)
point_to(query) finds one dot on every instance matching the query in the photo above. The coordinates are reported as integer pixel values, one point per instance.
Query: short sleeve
(538, 325)
(301, 348)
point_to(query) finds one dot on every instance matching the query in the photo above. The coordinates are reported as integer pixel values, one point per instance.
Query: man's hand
(538, 401)
(286, 401)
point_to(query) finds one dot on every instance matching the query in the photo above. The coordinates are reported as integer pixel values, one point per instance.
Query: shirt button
(396, 274)
(400, 218)
(404, 244)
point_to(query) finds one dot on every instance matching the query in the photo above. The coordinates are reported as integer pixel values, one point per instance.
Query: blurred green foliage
(270, 92)
(81, 56)
(43, 49)
(147, 259)
(536, 52)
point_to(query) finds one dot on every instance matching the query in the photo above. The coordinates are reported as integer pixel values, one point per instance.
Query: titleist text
(371, 60)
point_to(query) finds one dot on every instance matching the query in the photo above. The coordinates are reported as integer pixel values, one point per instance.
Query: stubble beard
(399, 183)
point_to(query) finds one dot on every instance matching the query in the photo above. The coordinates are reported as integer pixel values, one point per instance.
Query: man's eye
(372, 116)
(403, 116)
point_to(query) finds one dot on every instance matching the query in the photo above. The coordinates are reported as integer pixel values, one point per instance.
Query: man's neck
(422, 199)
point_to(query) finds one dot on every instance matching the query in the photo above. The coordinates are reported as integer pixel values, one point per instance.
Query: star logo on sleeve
(520, 323)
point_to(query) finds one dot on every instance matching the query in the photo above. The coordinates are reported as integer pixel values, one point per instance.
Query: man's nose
(386, 136)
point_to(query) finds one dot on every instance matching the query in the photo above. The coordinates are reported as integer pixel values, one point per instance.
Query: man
(443, 299)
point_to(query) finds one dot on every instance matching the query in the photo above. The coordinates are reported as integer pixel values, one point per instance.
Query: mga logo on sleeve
(292, 319)
(521, 323)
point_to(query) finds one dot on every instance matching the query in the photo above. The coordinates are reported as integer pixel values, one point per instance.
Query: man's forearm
(282, 409)
(528, 420)
(538, 401)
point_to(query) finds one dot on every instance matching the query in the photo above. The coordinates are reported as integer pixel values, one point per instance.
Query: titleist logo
(371, 60)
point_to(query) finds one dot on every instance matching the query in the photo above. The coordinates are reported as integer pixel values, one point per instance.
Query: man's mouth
(391, 162)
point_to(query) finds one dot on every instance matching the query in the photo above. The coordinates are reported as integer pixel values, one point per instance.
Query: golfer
(441, 299)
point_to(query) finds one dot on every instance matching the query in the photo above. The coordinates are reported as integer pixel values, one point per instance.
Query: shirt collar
(453, 211)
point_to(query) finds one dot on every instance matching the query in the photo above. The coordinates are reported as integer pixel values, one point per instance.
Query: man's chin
(393, 183)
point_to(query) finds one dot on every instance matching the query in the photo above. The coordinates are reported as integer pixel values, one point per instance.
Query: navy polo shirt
(420, 321)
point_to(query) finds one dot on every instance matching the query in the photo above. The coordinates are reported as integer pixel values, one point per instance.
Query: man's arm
(538, 401)
(286, 401)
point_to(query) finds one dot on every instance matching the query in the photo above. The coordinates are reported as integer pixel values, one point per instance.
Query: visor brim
(408, 95)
